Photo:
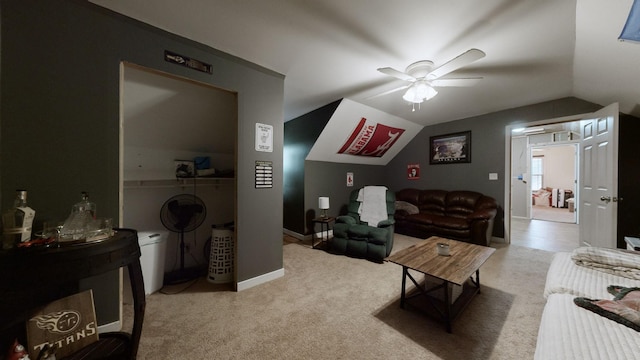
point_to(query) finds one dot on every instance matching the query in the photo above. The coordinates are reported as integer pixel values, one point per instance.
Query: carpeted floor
(335, 307)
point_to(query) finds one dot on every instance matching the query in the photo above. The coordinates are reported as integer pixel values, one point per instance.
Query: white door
(598, 207)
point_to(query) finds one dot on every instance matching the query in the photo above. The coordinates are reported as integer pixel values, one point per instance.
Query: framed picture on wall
(413, 171)
(450, 148)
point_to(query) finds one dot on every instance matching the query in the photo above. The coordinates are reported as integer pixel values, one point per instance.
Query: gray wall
(330, 179)
(60, 78)
(487, 151)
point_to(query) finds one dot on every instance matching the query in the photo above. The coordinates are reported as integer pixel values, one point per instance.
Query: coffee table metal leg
(447, 306)
(404, 283)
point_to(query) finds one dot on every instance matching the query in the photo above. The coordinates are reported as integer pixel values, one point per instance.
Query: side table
(32, 277)
(325, 226)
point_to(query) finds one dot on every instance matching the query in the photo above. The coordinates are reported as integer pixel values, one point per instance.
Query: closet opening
(178, 140)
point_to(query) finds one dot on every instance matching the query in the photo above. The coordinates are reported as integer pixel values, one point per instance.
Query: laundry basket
(221, 258)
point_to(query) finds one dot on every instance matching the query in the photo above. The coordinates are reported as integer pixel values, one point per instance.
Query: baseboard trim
(293, 234)
(258, 280)
(110, 327)
(306, 237)
(498, 240)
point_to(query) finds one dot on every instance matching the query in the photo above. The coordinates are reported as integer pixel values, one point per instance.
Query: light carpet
(336, 307)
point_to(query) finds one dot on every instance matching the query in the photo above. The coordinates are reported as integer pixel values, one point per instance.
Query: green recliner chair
(355, 237)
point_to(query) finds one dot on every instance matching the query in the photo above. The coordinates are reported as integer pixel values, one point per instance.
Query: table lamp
(323, 204)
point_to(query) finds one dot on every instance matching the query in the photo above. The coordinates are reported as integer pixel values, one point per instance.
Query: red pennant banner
(370, 139)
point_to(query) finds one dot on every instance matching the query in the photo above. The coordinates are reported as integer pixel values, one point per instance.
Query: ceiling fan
(423, 77)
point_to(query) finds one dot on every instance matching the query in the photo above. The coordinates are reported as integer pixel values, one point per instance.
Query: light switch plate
(493, 176)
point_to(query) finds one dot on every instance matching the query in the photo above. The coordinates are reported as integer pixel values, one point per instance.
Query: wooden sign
(68, 324)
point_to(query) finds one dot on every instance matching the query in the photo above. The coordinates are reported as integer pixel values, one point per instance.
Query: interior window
(537, 170)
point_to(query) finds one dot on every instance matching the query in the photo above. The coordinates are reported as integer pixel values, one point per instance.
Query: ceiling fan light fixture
(419, 92)
(412, 95)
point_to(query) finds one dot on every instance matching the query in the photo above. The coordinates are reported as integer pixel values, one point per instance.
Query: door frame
(507, 163)
(576, 170)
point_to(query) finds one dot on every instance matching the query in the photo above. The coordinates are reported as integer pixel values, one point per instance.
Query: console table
(33, 277)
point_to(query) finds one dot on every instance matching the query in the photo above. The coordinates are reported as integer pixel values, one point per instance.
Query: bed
(565, 277)
(568, 331)
(571, 332)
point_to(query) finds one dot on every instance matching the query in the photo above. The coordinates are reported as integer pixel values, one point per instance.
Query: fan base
(183, 275)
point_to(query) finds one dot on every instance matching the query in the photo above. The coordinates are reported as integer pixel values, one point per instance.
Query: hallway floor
(544, 235)
(553, 214)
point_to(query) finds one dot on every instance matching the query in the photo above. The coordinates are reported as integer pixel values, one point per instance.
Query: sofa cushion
(461, 203)
(421, 218)
(448, 222)
(433, 202)
(440, 221)
(409, 195)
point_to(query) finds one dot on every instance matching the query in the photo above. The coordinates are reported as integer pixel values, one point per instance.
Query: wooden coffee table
(458, 268)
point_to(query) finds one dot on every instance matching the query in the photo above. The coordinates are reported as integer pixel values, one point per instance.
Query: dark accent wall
(299, 136)
(487, 151)
(60, 109)
(628, 176)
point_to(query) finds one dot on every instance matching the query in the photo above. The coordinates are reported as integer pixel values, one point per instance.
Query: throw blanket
(612, 261)
(373, 204)
(624, 308)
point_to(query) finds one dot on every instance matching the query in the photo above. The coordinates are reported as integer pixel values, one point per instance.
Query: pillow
(406, 206)
(624, 308)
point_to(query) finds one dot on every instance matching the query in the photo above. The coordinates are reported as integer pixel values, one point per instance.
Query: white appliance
(153, 246)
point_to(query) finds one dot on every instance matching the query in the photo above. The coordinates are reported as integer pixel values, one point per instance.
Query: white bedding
(568, 331)
(564, 276)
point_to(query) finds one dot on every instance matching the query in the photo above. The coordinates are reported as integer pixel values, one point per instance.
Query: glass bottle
(17, 222)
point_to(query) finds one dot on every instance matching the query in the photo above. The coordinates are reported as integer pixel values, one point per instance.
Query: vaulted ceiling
(536, 50)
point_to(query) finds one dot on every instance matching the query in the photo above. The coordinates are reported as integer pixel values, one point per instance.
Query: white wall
(559, 166)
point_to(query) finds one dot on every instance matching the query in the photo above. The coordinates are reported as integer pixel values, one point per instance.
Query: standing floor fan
(181, 214)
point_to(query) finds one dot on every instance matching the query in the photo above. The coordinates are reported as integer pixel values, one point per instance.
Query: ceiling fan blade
(461, 60)
(389, 91)
(396, 74)
(455, 82)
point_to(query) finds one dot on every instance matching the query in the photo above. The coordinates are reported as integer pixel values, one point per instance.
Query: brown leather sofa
(460, 215)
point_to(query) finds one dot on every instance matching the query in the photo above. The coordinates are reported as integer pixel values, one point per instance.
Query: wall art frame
(453, 148)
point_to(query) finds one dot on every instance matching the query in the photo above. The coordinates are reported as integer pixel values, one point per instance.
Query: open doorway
(178, 141)
(543, 184)
(554, 177)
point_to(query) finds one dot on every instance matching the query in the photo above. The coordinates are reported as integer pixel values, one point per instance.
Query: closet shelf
(178, 182)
